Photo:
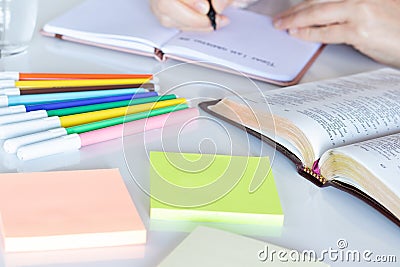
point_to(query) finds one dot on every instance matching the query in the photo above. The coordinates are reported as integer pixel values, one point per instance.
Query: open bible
(249, 45)
(343, 132)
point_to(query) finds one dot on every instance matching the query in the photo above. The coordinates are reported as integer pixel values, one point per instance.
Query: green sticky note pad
(213, 188)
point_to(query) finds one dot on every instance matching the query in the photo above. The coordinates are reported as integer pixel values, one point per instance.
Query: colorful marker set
(39, 124)
(14, 83)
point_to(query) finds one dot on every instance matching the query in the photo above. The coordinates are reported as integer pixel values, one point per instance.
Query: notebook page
(249, 44)
(114, 21)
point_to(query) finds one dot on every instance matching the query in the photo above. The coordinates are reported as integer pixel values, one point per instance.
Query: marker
(18, 76)
(30, 91)
(74, 142)
(88, 101)
(74, 103)
(33, 126)
(11, 145)
(68, 83)
(12, 110)
(56, 97)
(37, 114)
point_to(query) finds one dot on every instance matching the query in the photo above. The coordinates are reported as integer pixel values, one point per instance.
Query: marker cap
(50, 147)
(12, 110)
(7, 83)
(3, 101)
(27, 127)
(10, 91)
(12, 145)
(9, 75)
(25, 116)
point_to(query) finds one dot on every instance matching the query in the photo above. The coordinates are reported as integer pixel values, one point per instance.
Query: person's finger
(316, 15)
(201, 6)
(220, 5)
(185, 16)
(331, 34)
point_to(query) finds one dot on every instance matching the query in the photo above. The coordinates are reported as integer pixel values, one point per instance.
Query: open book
(249, 45)
(343, 132)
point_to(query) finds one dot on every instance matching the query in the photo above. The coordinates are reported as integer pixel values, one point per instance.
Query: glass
(17, 23)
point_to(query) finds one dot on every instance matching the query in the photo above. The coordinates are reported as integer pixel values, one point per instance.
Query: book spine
(316, 175)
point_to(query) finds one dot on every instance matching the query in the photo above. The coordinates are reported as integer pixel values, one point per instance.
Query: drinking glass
(17, 23)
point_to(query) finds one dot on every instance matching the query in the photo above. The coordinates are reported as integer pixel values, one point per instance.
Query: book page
(372, 165)
(113, 23)
(249, 44)
(337, 112)
(381, 156)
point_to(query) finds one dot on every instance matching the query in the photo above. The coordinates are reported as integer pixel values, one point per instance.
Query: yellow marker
(76, 83)
(82, 118)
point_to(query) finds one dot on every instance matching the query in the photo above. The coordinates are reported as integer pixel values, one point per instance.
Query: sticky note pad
(214, 248)
(213, 188)
(67, 210)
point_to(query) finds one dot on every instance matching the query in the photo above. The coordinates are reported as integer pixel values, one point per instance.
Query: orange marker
(17, 76)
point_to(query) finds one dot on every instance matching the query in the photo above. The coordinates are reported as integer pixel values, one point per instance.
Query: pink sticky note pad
(67, 210)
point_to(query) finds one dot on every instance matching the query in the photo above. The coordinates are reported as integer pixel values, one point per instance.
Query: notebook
(213, 188)
(67, 210)
(250, 45)
(211, 247)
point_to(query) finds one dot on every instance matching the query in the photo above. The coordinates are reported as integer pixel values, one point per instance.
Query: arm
(371, 26)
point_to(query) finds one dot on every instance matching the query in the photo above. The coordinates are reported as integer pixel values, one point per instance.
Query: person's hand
(189, 15)
(371, 26)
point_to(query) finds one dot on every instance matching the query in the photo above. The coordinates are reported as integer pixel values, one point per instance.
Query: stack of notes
(213, 188)
(48, 113)
(67, 210)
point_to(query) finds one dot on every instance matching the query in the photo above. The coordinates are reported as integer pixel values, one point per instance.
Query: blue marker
(57, 97)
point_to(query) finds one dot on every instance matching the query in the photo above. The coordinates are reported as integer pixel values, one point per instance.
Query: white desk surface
(315, 218)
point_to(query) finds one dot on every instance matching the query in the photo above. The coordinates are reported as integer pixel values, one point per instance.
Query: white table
(315, 218)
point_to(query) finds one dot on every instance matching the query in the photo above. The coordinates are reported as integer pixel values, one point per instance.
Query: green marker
(39, 114)
(12, 145)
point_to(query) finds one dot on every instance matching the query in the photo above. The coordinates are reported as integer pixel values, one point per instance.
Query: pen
(74, 103)
(19, 76)
(76, 141)
(33, 126)
(212, 15)
(11, 145)
(42, 113)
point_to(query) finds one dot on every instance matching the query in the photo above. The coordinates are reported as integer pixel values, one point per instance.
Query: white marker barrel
(12, 110)
(28, 127)
(26, 116)
(54, 146)
(11, 145)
